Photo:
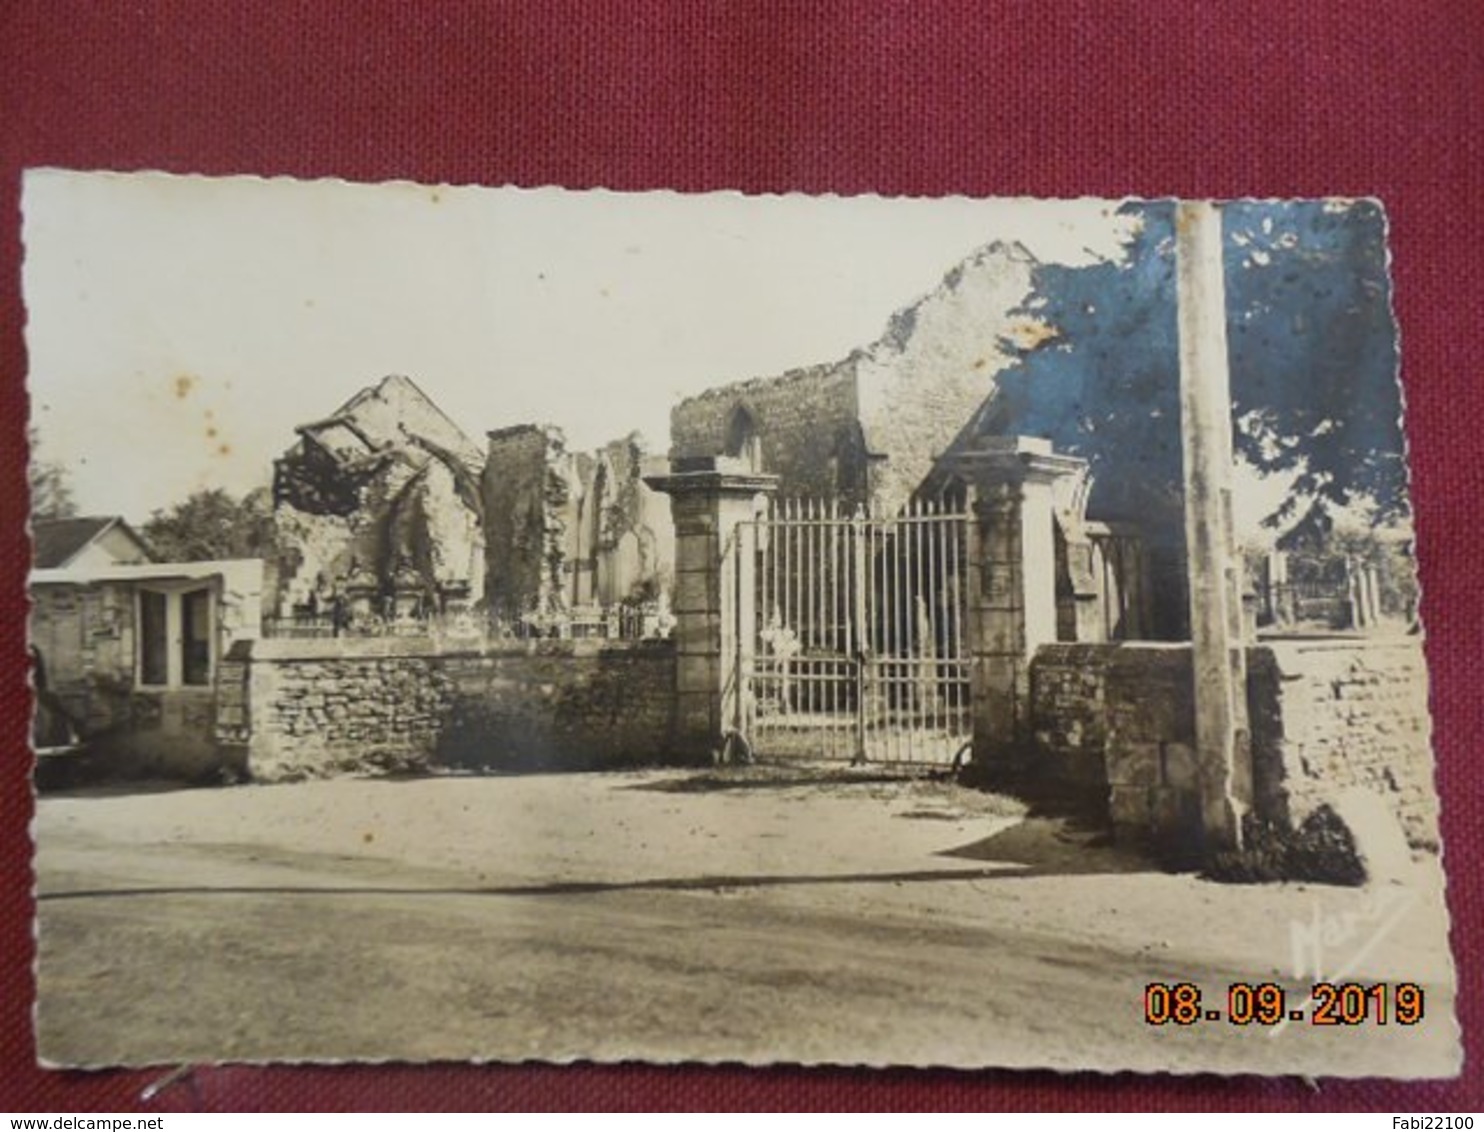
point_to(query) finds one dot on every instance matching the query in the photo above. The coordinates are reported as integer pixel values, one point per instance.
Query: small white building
(126, 658)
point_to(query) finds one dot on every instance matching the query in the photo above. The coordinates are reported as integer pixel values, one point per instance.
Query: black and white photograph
(505, 624)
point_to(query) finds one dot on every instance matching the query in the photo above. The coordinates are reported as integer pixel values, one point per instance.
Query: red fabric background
(1100, 97)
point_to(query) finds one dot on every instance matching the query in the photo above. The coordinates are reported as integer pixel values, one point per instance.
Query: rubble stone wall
(872, 426)
(323, 707)
(807, 422)
(1326, 716)
(923, 382)
(524, 537)
(1341, 713)
(1068, 711)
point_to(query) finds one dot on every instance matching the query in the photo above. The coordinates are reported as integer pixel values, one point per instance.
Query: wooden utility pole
(1219, 660)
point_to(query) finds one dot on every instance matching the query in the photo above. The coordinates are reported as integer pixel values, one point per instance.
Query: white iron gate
(850, 634)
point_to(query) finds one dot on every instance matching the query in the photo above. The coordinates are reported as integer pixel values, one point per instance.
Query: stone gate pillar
(1011, 583)
(709, 498)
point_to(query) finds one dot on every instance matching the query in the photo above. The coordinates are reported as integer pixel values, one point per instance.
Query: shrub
(1321, 851)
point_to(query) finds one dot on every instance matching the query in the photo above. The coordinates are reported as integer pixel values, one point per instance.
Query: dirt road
(675, 916)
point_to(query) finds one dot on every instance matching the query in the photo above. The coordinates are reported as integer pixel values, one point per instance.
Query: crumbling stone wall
(871, 427)
(570, 530)
(1326, 715)
(320, 708)
(635, 553)
(436, 525)
(806, 423)
(525, 495)
(380, 497)
(923, 383)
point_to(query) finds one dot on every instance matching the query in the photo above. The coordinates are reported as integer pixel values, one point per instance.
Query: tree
(51, 487)
(213, 524)
(1314, 357)
(1313, 362)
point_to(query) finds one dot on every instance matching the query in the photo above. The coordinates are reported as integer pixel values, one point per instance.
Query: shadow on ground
(1056, 846)
(556, 888)
(764, 776)
(121, 788)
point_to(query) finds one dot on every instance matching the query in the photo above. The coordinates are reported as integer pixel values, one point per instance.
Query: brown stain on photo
(185, 384)
(212, 432)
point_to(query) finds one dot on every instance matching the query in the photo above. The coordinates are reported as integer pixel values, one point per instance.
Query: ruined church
(377, 511)
(387, 514)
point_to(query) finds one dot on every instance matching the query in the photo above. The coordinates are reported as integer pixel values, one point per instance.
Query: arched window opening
(743, 441)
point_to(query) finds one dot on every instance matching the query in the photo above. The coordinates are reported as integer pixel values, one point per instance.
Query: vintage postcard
(496, 624)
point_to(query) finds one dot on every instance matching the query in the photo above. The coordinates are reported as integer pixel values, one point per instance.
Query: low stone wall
(1069, 711)
(322, 707)
(1118, 719)
(1326, 716)
(1150, 755)
(1331, 714)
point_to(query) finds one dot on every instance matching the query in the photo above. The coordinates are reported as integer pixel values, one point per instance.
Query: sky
(178, 328)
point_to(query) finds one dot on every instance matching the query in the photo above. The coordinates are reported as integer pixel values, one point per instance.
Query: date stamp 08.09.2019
(1269, 1004)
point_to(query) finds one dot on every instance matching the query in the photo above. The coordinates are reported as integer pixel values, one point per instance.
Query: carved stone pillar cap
(997, 459)
(728, 475)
